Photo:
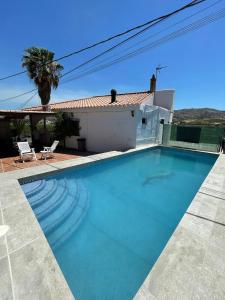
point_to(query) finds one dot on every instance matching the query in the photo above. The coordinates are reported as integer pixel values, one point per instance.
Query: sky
(195, 61)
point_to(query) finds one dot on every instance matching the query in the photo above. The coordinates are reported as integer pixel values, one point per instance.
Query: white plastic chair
(25, 151)
(48, 151)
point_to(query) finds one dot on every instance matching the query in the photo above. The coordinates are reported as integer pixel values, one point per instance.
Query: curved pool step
(53, 202)
(64, 230)
(59, 215)
(59, 205)
(38, 198)
(31, 188)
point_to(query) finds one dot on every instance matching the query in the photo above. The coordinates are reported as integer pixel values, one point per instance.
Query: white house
(119, 121)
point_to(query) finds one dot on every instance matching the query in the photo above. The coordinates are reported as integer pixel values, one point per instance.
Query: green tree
(43, 70)
(18, 126)
(64, 127)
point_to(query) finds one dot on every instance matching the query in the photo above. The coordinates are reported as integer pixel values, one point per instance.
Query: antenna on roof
(158, 69)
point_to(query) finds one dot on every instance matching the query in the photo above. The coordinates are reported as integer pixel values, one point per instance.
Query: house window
(144, 121)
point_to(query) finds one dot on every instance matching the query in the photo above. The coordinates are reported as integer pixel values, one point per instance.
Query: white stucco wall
(151, 131)
(114, 128)
(165, 99)
(106, 130)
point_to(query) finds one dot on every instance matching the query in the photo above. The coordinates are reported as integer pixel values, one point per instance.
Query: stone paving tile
(110, 154)
(46, 282)
(215, 182)
(23, 173)
(11, 194)
(71, 163)
(217, 237)
(5, 280)
(208, 207)
(3, 251)
(23, 225)
(210, 283)
(219, 169)
(212, 192)
(144, 294)
(197, 226)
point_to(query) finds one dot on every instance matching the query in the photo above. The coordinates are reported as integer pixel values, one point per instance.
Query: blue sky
(196, 61)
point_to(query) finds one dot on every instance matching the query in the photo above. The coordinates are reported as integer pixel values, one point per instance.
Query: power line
(153, 23)
(186, 29)
(139, 51)
(87, 73)
(190, 4)
(163, 30)
(191, 27)
(111, 48)
(153, 35)
(19, 95)
(27, 101)
(194, 26)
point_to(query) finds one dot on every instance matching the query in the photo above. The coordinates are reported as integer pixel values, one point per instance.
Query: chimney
(113, 96)
(153, 84)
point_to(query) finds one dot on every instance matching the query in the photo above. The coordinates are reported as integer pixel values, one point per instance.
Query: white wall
(164, 99)
(151, 131)
(166, 115)
(147, 103)
(106, 130)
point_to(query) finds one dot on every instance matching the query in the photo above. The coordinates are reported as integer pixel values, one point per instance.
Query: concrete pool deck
(190, 267)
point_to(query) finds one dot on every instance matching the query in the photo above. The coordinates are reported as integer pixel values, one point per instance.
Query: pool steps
(46, 207)
(40, 196)
(59, 206)
(34, 187)
(72, 222)
(59, 216)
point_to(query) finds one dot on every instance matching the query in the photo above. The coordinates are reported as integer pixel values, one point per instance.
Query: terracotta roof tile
(99, 101)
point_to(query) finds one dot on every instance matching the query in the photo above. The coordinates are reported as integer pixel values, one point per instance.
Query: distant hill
(202, 116)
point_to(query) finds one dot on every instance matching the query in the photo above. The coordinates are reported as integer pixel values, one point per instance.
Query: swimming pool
(108, 222)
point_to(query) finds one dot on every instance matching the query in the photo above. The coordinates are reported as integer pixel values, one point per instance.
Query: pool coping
(28, 265)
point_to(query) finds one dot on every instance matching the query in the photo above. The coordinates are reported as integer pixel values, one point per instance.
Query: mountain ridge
(204, 116)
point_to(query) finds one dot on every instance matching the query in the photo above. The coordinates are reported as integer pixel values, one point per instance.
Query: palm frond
(43, 70)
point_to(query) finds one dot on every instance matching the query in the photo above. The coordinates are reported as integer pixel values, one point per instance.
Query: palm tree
(43, 70)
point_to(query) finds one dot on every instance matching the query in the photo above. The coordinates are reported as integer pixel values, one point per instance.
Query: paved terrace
(14, 163)
(192, 265)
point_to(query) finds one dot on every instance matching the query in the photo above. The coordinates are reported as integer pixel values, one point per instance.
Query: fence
(193, 137)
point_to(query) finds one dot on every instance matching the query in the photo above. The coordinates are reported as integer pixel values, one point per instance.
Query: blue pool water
(107, 223)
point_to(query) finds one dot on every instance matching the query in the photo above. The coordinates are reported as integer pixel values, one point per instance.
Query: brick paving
(14, 163)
